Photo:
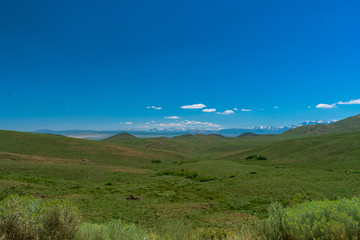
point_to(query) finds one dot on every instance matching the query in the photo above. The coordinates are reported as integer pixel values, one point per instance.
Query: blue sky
(101, 64)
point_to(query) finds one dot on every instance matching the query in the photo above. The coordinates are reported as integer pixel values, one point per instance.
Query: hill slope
(320, 151)
(351, 124)
(40, 145)
(120, 137)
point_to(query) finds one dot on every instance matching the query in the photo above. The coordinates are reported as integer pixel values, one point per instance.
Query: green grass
(98, 176)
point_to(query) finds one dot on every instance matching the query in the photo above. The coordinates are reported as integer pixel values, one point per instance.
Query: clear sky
(114, 64)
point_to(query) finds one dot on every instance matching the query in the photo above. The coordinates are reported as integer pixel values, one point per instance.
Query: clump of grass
(114, 230)
(26, 217)
(312, 220)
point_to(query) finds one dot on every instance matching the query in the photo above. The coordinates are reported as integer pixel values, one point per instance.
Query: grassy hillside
(202, 182)
(121, 136)
(198, 146)
(65, 149)
(351, 124)
(331, 150)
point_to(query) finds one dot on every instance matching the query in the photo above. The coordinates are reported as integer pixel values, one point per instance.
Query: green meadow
(187, 187)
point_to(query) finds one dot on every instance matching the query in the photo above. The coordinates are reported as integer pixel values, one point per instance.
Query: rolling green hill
(331, 150)
(73, 149)
(198, 182)
(248, 134)
(351, 124)
(120, 137)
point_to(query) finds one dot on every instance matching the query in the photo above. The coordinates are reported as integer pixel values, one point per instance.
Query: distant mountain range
(172, 132)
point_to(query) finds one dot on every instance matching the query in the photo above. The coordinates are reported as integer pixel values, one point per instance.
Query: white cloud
(356, 101)
(227, 112)
(128, 123)
(187, 124)
(154, 107)
(246, 110)
(171, 125)
(323, 105)
(276, 107)
(194, 106)
(209, 110)
(192, 122)
(236, 109)
(172, 117)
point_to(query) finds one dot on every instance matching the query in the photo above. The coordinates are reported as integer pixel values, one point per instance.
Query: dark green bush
(261, 157)
(206, 178)
(156, 161)
(256, 157)
(251, 157)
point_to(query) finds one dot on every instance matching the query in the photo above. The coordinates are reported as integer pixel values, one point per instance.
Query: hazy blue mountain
(172, 132)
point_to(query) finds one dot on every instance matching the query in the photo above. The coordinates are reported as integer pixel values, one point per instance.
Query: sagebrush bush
(21, 217)
(312, 220)
(61, 220)
(28, 218)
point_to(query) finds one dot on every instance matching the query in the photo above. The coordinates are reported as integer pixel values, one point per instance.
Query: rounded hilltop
(121, 136)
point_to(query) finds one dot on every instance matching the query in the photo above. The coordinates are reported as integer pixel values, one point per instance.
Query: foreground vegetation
(27, 217)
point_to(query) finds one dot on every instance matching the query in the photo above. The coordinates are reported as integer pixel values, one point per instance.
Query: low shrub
(251, 157)
(256, 157)
(206, 178)
(311, 220)
(156, 161)
(26, 217)
(260, 157)
(61, 220)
